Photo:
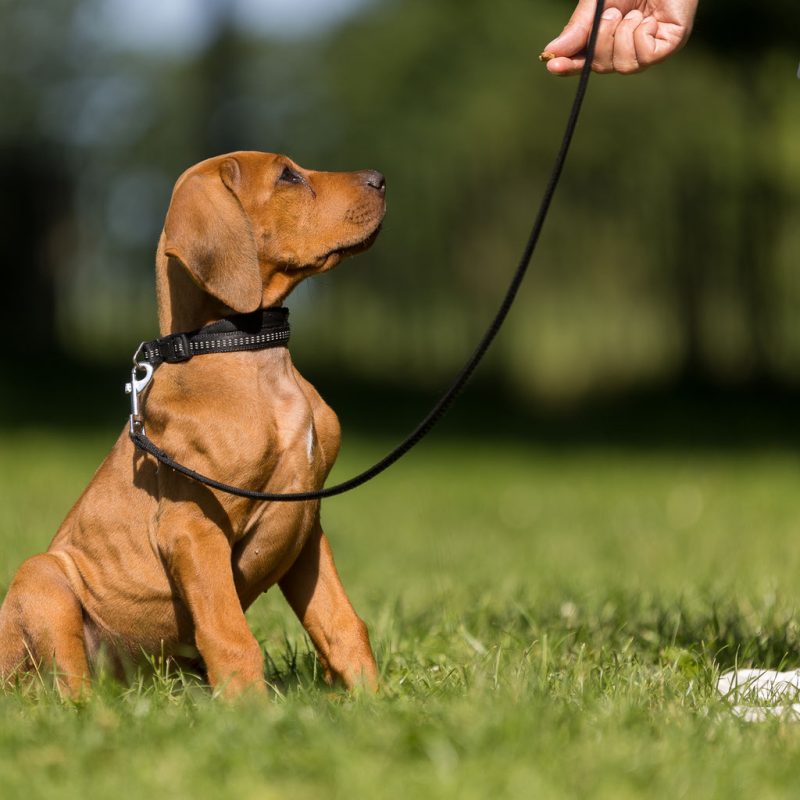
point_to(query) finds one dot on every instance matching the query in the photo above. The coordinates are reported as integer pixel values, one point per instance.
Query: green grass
(549, 622)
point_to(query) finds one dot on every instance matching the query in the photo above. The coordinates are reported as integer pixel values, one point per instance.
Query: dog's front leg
(314, 591)
(198, 556)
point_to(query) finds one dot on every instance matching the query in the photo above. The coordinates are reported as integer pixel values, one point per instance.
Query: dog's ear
(207, 230)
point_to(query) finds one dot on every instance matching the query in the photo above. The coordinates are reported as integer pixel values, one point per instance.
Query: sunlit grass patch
(547, 623)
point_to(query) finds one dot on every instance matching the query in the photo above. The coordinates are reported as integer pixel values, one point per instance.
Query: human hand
(633, 34)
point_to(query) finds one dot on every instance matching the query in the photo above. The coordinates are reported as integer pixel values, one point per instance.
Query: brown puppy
(149, 561)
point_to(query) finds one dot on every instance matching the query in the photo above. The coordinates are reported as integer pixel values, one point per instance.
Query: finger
(654, 42)
(604, 49)
(625, 59)
(576, 33)
(565, 66)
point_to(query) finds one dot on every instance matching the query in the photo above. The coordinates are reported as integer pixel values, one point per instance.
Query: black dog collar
(268, 327)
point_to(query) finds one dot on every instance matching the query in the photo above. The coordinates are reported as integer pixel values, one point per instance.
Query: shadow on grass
(685, 416)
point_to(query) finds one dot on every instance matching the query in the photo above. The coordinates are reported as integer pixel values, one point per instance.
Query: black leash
(139, 436)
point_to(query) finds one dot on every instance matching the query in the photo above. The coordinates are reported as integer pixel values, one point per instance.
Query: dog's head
(249, 226)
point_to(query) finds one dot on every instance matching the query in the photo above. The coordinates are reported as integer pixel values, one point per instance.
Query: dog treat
(546, 56)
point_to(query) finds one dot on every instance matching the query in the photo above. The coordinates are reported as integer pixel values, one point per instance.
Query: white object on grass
(760, 694)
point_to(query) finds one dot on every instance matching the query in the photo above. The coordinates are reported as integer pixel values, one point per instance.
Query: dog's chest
(301, 449)
(304, 435)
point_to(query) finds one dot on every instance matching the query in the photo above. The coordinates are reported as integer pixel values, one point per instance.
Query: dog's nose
(375, 179)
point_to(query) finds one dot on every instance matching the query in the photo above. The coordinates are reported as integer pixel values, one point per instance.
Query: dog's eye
(289, 176)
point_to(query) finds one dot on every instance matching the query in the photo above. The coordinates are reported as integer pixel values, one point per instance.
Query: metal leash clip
(136, 386)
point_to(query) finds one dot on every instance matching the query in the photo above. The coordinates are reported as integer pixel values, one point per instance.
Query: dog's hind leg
(314, 591)
(41, 626)
(13, 651)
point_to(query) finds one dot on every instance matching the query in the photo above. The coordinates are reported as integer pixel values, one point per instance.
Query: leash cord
(141, 440)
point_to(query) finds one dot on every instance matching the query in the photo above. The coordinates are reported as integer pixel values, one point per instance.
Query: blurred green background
(607, 519)
(669, 260)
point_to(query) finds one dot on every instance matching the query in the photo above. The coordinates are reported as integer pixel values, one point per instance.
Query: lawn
(549, 621)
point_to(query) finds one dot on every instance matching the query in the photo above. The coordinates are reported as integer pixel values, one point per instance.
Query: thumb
(575, 35)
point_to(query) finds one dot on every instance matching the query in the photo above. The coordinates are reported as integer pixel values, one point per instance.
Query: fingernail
(611, 13)
(633, 14)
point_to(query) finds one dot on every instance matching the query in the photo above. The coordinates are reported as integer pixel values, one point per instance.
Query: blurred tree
(34, 207)
(670, 251)
(742, 36)
(35, 204)
(674, 188)
(743, 32)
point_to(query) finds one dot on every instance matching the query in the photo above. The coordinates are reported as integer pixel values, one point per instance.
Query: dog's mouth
(358, 247)
(344, 251)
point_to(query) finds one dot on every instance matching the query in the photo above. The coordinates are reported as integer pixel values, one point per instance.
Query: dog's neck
(184, 306)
